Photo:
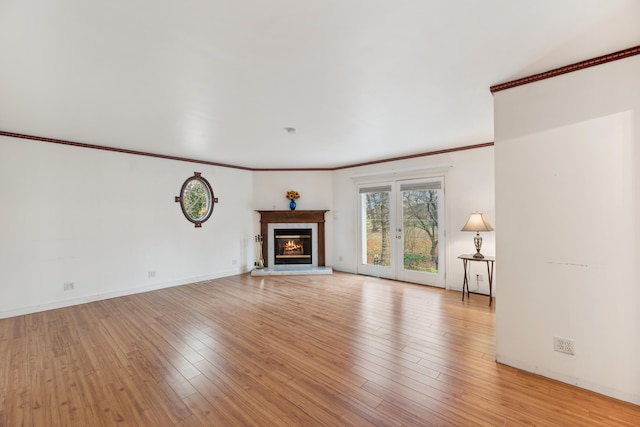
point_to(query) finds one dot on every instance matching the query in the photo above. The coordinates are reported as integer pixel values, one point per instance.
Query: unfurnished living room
(319, 213)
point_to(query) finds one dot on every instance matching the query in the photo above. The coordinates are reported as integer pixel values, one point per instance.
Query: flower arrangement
(293, 195)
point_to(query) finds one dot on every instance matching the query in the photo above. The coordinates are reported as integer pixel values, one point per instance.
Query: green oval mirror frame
(196, 199)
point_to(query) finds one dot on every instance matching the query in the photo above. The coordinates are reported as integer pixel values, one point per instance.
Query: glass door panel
(376, 245)
(420, 205)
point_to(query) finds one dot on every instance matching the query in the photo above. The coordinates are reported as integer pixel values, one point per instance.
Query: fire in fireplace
(292, 246)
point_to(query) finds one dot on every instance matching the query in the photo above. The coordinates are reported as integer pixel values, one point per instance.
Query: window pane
(376, 211)
(197, 199)
(420, 225)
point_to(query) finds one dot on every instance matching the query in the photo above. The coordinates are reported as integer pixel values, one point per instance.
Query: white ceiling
(219, 80)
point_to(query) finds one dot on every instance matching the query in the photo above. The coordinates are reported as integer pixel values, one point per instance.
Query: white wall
(104, 220)
(567, 204)
(469, 187)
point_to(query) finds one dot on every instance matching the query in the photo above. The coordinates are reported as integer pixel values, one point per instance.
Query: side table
(489, 260)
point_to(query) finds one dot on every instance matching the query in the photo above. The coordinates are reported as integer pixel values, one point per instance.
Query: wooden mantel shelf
(283, 217)
(292, 216)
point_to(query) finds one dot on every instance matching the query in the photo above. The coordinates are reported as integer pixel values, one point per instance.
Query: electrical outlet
(479, 277)
(152, 274)
(68, 286)
(234, 262)
(564, 345)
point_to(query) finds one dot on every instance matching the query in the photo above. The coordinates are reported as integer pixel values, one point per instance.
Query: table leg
(490, 277)
(465, 281)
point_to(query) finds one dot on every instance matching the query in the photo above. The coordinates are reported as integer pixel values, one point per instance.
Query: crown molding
(117, 150)
(225, 165)
(413, 156)
(567, 69)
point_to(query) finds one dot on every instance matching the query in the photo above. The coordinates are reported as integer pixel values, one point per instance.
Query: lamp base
(477, 241)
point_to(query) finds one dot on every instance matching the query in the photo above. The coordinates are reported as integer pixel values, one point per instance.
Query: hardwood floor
(338, 350)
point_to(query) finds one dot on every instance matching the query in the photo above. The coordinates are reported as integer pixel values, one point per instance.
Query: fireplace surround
(302, 219)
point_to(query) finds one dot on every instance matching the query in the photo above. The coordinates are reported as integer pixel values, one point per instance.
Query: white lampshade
(477, 222)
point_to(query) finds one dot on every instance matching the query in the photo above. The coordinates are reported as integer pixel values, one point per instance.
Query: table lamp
(477, 222)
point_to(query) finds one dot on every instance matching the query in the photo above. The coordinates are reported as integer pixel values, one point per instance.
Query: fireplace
(292, 246)
(294, 220)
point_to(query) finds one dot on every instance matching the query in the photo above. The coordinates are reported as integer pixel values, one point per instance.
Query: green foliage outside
(378, 215)
(414, 261)
(196, 199)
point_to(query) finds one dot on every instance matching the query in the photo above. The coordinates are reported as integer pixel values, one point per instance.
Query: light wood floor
(339, 350)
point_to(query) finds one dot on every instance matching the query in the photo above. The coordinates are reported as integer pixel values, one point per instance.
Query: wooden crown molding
(225, 165)
(117, 150)
(568, 69)
(413, 156)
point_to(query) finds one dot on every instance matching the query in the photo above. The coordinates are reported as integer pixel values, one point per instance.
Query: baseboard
(567, 379)
(115, 294)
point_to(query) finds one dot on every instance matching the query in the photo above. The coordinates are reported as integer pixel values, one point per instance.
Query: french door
(401, 230)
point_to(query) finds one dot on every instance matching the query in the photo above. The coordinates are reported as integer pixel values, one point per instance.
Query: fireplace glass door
(292, 246)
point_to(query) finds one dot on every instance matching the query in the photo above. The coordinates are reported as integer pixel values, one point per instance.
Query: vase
(292, 205)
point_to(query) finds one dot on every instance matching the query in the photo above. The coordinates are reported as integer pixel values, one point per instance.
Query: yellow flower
(292, 195)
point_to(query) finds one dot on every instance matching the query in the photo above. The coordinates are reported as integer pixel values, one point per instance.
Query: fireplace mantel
(284, 217)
